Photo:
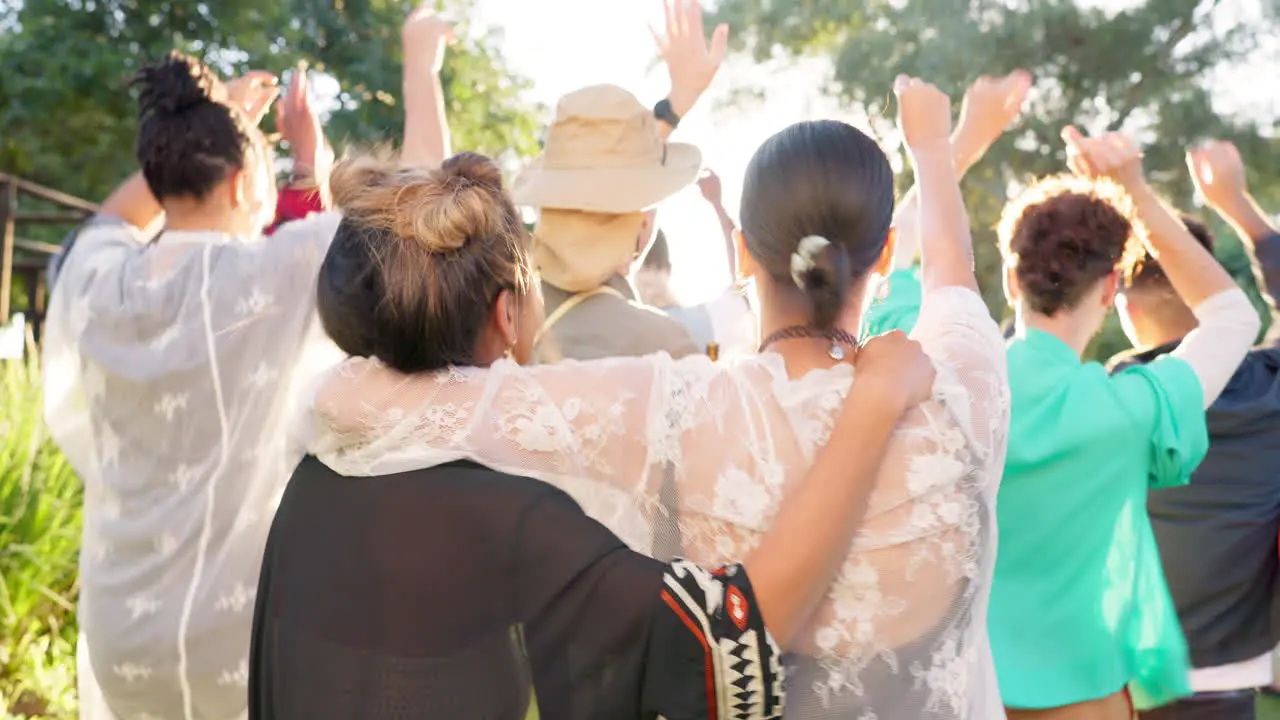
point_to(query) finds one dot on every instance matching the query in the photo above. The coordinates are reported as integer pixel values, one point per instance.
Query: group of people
(362, 446)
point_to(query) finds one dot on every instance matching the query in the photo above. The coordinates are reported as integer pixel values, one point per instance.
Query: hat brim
(613, 190)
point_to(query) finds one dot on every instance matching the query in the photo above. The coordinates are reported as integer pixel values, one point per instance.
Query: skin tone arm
(1193, 272)
(945, 238)
(815, 526)
(299, 125)
(426, 126)
(133, 201)
(709, 184)
(691, 62)
(1219, 175)
(991, 105)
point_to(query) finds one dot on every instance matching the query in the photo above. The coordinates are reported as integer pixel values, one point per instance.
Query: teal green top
(898, 307)
(1079, 604)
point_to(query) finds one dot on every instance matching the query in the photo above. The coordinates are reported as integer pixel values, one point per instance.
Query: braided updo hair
(190, 139)
(817, 205)
(419, 259)
(1065, 234)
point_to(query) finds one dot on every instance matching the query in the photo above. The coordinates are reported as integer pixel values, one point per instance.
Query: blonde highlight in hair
(439, 208)
(1064, 234)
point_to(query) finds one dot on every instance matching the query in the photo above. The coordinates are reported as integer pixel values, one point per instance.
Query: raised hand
(299, 125)
(990, 106)
(924, 114)
(1113, 155)
(691, 62)
(709, 184)
(253, 93)
(425, 35)
(1218, 172)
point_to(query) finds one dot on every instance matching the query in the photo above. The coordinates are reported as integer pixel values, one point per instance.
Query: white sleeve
(1229, 325)
(957, 331)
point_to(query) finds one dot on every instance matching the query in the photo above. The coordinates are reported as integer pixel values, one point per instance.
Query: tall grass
(40, 512)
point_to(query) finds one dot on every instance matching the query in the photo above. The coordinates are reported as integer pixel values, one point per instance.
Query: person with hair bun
(170, 364)
(169, 360)
(521, 605)
(1079, 606)
(868, 539)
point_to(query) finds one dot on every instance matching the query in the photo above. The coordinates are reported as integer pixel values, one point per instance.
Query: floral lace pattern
(699, 456)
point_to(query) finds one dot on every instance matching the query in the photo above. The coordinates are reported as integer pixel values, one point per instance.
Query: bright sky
(543, 41)
(619, 50)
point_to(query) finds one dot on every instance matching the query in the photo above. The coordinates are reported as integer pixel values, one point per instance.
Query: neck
(1065, 326)
(1157, 334)
(186, 215)
(781, 310)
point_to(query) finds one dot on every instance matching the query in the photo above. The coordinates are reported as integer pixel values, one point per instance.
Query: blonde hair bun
(439, 208)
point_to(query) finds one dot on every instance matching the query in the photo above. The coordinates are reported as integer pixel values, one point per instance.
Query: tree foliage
(67, 117)
(1146, 69)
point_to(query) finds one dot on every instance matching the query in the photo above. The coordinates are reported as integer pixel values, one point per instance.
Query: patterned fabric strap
(742, 663)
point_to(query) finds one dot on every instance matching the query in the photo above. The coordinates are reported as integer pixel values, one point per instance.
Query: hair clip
(802, 260)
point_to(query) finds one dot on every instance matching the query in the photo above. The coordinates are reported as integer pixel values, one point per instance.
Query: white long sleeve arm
(1229, 326)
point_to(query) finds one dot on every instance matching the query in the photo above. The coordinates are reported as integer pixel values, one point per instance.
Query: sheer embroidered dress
(692, 458)
(171, 372)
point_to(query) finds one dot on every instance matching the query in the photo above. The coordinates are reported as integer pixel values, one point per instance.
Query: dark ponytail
(817, 205)
(189, 139)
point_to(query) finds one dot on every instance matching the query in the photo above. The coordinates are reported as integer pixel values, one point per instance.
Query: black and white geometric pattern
(747, 662)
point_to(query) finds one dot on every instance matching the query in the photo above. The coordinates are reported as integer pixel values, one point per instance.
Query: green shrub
(40, 512)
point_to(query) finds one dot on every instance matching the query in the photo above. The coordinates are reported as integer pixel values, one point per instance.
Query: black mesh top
(461, 592)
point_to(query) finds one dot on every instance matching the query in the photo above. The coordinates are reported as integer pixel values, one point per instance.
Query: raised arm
(1219, 175)
(945, 240)
(990, 106)
(426, 125)
(1228, 323)
(298, 122)
(709, 185)
(691, 62)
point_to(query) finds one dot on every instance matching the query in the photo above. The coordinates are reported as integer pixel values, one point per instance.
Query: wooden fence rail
(29, 259)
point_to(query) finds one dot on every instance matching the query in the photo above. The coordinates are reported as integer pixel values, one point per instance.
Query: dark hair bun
(176, 85)
(441, 209)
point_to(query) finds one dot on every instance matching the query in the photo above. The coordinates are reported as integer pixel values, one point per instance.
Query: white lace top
(693, 458)
(171, 371)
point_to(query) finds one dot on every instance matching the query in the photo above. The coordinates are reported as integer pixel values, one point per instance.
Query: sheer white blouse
(693, 458)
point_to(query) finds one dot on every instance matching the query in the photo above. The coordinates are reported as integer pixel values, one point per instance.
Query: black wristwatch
(666, 114)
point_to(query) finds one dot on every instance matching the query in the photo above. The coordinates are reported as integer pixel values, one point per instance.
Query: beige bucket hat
(604, 154)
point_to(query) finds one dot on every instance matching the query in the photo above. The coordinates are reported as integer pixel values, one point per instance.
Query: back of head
(190, 140)
(1153, 311)
(1062, 236)
(658, 259)
(1146, 277)
(822, 179)
(419, 259)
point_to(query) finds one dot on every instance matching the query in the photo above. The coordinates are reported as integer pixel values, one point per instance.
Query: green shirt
(1079, 604)
(898, 307)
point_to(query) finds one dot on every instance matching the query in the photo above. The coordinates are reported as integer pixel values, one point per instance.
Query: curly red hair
(1063, 235)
